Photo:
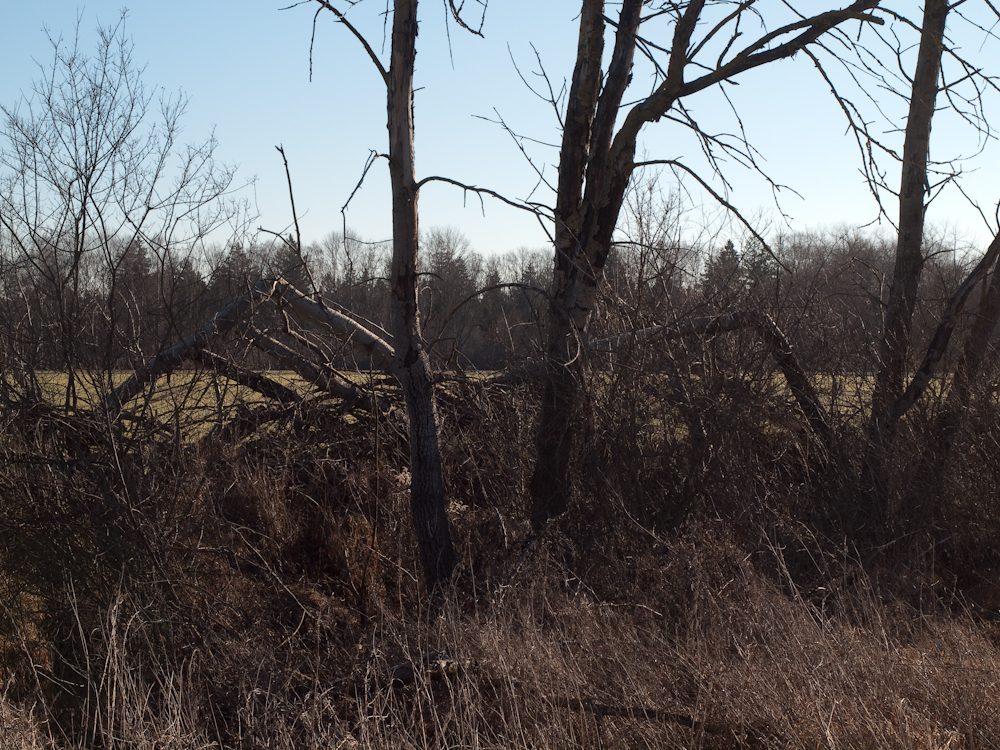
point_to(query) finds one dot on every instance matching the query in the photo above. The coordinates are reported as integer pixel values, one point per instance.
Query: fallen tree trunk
(242, 376)
(279, 291)
(340, 325)
(323, 378)
(175, 356)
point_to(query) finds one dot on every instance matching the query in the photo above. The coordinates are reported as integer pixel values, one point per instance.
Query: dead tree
(237, 315)
(597, 162)
(411, 364)
(895, 344)
(427, 501)
(921, 177)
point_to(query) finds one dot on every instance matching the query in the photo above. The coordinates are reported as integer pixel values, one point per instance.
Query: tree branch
(942, 336)
(721, 200)
(779, 346)
(169, 360)
(456, 13)
(343, 19)
(321, 377)
(533, 208)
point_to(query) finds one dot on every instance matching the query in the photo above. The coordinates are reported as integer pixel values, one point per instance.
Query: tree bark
(323, 378)
(590, 118)
(345, 328)
(412, 366)
(247, 378)
(909, 263)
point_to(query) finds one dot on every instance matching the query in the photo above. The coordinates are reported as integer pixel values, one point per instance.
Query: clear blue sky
(245, 67)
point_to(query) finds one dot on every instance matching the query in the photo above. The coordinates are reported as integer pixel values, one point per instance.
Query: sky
(245, 68)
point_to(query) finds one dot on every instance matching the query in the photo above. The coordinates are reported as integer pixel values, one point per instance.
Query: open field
(191, 401)
(202, 396)
(184, 389)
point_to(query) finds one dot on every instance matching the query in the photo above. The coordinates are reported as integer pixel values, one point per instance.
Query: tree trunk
(587, 136)
(223, 322)
(909, 264)
(924, 500)
(427, 502)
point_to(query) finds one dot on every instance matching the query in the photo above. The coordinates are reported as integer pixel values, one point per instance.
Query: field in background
(191, 401)
(195, 399)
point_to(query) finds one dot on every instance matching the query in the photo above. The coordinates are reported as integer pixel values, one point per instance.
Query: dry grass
(184, 389)
(545, 665)
(262, 592)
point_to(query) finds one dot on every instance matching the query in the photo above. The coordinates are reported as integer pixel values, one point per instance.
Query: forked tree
(921, 176)
(598, 159)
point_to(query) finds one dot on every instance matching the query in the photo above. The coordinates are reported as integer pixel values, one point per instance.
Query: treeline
(115, 305)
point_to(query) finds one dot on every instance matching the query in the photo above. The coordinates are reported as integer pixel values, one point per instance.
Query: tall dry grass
(545, 664)
(260, 590)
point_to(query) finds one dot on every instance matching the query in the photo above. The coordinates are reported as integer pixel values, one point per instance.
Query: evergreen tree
(723, 279)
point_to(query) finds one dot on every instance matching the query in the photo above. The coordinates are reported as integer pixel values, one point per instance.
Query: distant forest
(123, 305)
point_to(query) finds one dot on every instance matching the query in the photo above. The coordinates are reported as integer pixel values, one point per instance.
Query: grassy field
(190, 401)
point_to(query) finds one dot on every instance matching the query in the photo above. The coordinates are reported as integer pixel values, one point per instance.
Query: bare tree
(597, 161)
(412, 366)
(427, 502)
(909, 249)
(405, 358)
(922, 177)
(90, 202)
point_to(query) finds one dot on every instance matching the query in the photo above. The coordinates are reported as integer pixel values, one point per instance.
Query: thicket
(480, 312)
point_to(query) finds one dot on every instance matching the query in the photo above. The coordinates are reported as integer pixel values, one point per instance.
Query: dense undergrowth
(259, 589)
